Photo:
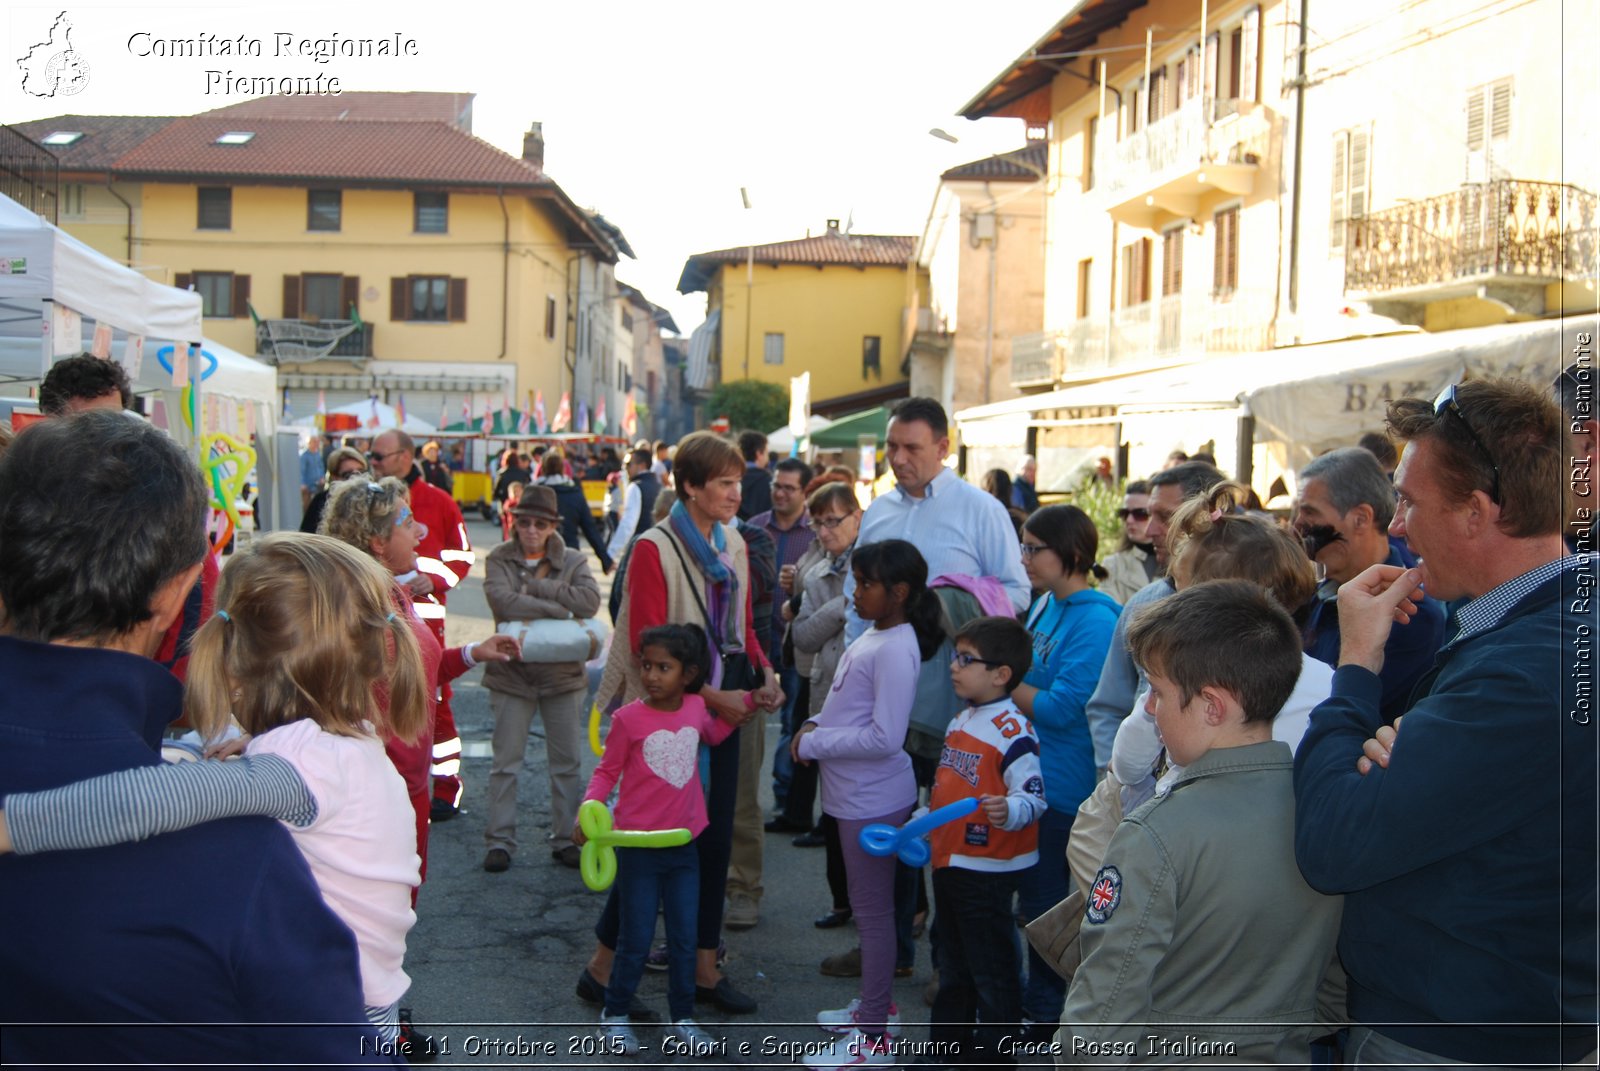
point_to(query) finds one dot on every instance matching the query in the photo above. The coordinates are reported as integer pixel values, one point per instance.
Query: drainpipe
(505, 273)
(988, 330)
(112, 189)
(1299, 146)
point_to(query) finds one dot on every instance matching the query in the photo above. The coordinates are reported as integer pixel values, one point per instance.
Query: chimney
(533, 145)
(833, 227)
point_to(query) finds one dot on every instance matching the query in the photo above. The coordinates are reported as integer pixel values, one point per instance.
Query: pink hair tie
(1216, 514)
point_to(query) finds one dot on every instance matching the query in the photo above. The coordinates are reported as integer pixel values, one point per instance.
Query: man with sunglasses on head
(444, 557)
(1465, 842)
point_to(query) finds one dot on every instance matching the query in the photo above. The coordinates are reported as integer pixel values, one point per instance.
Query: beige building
(1222, 183)
(983, 250)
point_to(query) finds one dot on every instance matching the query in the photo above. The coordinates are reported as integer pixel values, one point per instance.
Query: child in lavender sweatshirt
(858, 739)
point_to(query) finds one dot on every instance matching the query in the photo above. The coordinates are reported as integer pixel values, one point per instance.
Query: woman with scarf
(1134, 563)
(693, 568)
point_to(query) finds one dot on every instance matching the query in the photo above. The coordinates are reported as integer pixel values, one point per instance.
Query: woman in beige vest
(692, 567)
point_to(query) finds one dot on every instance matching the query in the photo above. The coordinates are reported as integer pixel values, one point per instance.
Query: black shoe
(442, 811)
(833, 919)
(780, 824)
(570, 856)
(497, 861)
(414, 1045)
(725, 998)
(590, 991)
(812, 839)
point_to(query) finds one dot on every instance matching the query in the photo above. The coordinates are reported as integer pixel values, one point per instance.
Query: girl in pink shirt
(303, 631)
(654, 748)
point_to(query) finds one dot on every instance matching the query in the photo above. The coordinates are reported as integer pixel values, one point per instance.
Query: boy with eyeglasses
(992, 754)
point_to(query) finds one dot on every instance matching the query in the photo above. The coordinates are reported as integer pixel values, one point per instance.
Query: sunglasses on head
(1447, 402)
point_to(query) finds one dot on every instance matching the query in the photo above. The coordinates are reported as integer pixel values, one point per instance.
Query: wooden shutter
(1500, 111)
(397, 299)
(1249, 50)
(1338, 209)
(1157, 108)
(350, 296)
(1085, 271)
(1225, 268)
(1213, 51)
(456, 308)
(1360, 172)
(241, 295)
(1172, 262)
(291, 297)
(183, 280)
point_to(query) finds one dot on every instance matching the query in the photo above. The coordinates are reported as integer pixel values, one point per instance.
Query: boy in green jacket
(1200, 938)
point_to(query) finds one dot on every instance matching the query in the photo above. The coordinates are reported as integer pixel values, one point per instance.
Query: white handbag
(551, 639)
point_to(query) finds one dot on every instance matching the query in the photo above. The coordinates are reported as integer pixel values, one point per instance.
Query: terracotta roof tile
(833, 247)
(452, 108)
(382, 151)
(1026, 164)
(105, 137)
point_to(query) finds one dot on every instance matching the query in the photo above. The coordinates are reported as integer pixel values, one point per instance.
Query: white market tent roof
(1313, 398)
(45, 263)
(41, 264)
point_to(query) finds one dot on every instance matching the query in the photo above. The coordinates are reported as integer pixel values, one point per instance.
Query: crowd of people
(1304, 790)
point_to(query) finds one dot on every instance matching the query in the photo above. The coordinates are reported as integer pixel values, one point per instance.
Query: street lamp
(749, 288)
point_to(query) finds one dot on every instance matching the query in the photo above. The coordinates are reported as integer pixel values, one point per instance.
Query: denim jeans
(782, 762)
(1042, 887)
(1370, 1049)
(648, 878)
(980, 990)
(713, 846)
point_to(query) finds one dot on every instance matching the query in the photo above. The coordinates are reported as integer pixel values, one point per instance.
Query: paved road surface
(494, 957)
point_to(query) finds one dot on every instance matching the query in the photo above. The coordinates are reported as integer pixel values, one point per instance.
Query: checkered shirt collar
(1488, 610)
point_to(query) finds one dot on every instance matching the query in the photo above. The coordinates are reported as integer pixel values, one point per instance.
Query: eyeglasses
(830, 523)
(1030, 549)
(345, 474)
(535, 522)
(374, 455)
(1136, 514)
(1447, 402)
(963, 659)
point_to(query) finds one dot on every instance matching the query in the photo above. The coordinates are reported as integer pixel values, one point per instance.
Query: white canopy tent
(41, 266)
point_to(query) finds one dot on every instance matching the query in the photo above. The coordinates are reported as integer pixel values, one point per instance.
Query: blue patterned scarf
(716, 565)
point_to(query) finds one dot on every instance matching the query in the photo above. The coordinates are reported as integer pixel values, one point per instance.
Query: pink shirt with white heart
(656, 756)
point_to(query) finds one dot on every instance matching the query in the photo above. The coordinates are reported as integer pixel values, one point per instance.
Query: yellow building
(446, 267)
(834, 305)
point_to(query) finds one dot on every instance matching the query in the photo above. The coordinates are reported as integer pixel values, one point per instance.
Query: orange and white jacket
(990, 750)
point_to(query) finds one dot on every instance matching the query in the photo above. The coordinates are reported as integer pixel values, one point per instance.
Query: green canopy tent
(845, 433)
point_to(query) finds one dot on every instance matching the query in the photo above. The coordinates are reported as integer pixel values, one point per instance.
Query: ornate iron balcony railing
(1510, 228)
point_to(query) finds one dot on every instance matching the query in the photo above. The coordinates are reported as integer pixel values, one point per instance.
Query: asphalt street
(494, 958)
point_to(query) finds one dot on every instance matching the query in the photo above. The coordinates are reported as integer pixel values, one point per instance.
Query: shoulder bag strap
(688, 576)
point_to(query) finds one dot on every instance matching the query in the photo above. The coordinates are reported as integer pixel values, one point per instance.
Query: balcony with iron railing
(1507, 239)
(1176, 329)
(313, 340)
(1178, 166)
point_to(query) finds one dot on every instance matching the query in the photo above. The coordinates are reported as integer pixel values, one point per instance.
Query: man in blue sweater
(1467, 854)
(209, 946)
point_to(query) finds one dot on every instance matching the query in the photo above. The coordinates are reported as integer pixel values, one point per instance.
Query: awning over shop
(845, 433)
(1313, 398)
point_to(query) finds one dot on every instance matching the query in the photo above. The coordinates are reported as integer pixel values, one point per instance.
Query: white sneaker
(853, 1050)
(617, 1037)
(687, 1038)
(845, 1019)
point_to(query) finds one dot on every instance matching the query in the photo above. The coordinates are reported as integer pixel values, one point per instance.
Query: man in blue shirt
(1345, 506)
(311, 470)
(1467, 855)
(209, 946)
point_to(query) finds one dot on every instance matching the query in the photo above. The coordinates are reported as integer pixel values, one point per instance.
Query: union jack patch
(1104, 895)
